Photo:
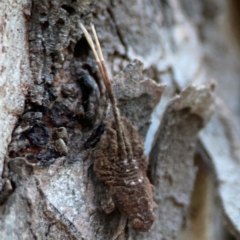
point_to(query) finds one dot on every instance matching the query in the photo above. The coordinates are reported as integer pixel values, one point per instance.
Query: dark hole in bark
(53, 69)
(81, 48)
(43, 14)
(45, 25)
(69, 9)
(60, 22)
(54, 56)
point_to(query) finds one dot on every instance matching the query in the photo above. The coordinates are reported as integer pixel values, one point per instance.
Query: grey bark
(50, 191)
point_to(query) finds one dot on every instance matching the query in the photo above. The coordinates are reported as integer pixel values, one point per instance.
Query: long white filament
(90, 41)
(97, 42)
(107, 82)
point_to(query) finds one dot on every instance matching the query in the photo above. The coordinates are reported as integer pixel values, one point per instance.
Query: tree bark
(51, 103)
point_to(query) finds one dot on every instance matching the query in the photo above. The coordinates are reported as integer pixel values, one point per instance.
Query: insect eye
(137, 223)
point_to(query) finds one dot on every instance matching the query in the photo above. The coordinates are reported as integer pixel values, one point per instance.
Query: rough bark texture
(171, 159)
(14, 70)
(48, 189)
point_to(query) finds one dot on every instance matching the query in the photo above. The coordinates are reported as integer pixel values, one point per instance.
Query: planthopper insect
(120, 161)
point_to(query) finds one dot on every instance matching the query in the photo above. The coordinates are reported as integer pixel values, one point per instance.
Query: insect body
(120, 161)
(130, 188)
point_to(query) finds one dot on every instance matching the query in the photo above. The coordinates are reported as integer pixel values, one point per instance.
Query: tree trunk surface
(175, 74)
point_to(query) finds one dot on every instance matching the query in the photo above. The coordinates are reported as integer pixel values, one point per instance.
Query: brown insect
(120, 161)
